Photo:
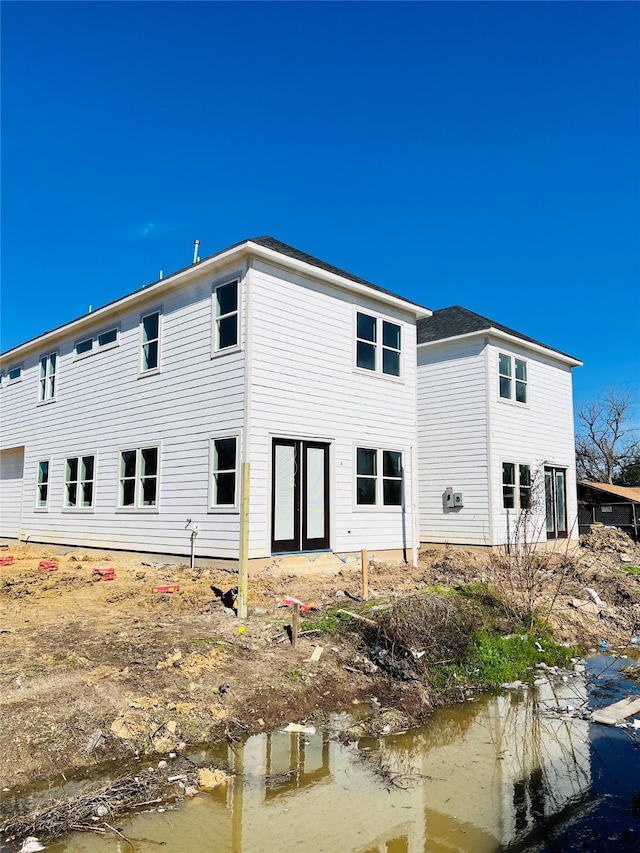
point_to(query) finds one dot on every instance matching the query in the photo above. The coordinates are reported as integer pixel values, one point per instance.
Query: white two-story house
(496, 435)
(126, 427)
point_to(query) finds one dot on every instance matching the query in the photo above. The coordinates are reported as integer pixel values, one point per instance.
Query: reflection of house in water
(304, 792)
(486, 775)
(504, 770)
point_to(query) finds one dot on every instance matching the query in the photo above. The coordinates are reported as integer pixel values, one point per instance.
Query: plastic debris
(31, 845)
(538, 646)
(603, 644)
(289, 601)
(594, 595)
(511, 685)
(315, 655)
(299, 727)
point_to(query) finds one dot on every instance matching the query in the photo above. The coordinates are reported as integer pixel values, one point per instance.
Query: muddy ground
(95, 670)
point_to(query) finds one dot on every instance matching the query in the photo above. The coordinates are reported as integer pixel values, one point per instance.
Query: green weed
(632, 570)
(294, 675)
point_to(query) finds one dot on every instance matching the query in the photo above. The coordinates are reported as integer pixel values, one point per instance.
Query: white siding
(540, 432)
(11, 471)
(103, 405)
(303, 385)
(452, 431)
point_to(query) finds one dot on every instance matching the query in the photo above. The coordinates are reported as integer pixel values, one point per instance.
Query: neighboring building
(613, 506)
(495, 428)
(126, 427)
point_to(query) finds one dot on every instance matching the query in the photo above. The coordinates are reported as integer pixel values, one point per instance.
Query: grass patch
(631, 570)
(326, 622)
(497, 659)
(294, 675)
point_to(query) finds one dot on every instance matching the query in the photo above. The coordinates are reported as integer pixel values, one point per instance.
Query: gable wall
(536, 433)
(304, 385)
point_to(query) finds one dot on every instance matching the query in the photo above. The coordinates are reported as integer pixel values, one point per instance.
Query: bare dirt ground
(95, 670)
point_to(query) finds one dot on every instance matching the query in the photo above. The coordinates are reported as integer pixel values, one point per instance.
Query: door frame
(300, 541)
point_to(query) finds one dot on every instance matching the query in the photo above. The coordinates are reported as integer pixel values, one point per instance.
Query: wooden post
(295, 625)
(365, 574)
(243, 567)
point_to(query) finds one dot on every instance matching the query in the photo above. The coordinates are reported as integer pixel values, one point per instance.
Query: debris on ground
(615, 714)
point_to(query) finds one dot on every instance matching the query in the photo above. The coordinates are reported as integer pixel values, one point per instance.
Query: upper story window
(14, 374)
(138, 478)
(226, 332)
(102, 341)
(516, 486)
(379, 477)
(378, 344)
(79, 479)
(513, 378)
(47, 385)
(150, 342)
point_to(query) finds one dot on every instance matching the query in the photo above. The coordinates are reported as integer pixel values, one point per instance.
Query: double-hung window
(79, 480)
(512, 374)
(226, 331)
(516, 486)
(378, 345)
(224, 472)
(138, 478)
(379, 477)
(47, 384)
(42, 488)
(150, 342)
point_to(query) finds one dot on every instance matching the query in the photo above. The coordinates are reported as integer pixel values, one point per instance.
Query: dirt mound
(610, 540)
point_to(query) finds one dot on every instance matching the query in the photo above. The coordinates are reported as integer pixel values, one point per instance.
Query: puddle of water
(493, 775)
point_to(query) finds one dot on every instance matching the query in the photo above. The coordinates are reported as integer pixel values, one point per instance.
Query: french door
(555, 499)
(300, 496)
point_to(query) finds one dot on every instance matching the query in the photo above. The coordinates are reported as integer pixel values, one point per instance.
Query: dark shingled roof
(284, 249)
(456, 320)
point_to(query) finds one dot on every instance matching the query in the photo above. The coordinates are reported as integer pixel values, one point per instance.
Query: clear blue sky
(484, 154)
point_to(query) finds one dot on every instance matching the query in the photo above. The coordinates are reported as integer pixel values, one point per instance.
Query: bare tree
(606, 442)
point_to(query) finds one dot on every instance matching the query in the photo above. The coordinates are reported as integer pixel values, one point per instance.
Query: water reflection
(494, 775)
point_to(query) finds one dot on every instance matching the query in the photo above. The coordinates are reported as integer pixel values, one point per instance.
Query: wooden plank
(295, 626)
(365, 574)
(243, 563)
(617, 712)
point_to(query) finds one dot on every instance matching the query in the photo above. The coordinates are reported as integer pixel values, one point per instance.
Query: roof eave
(512, 339)
(248, 247)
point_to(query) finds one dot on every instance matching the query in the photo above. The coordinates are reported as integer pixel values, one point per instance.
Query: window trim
(227, 509)
(378, 345)
(379, 478)
(513, 359)
(152, 371)
(45, 400)
(79, 482)
(516, 485)
(136, 508)
(236, 277)
(43, 507)
(96, 347)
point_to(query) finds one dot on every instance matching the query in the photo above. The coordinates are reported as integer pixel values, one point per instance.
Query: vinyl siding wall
(538, 433)
(452, 431)
(304, 385)
(103, 405)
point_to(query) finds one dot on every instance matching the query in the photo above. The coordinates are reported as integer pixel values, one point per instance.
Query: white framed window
(150, 342)
(79, 482)
(48, 377)
(379, 477)
(512, 376)
(107, 339)
(42, 485)
(224, 487)
(516, 486)
(378, 345)
(138, 481)
(14, 374)
(226, 314)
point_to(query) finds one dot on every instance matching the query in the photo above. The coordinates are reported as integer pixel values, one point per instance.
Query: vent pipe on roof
(196, 243)
(161, 274)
